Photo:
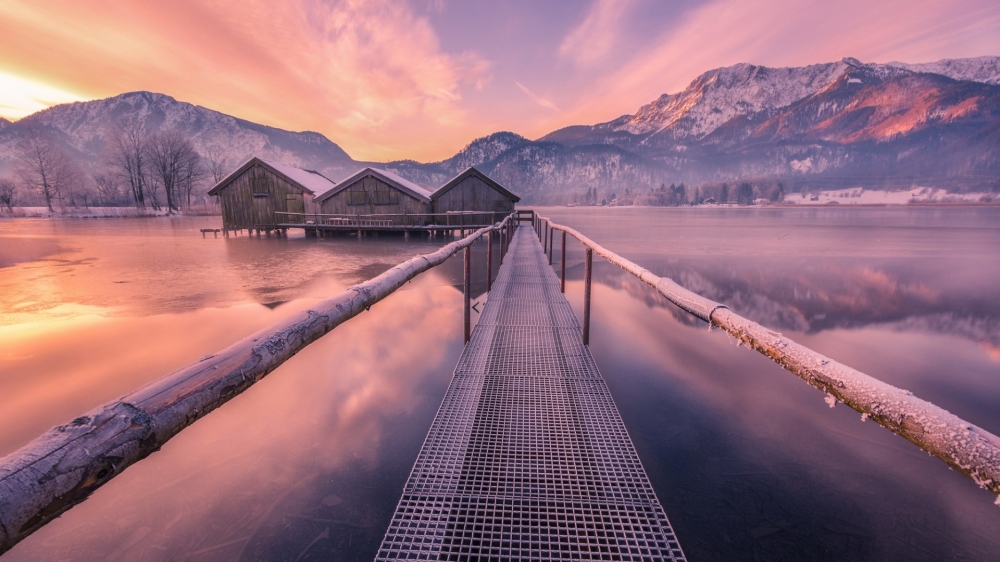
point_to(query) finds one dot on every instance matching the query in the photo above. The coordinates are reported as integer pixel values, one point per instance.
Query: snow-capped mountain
(745, 90)
(83, 128)
(842, 123)
(978, 69)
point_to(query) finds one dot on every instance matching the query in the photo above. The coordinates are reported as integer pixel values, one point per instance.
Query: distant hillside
(82, 129)
(840, 124)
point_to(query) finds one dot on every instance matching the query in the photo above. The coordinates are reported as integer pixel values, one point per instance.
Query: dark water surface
(748, 460)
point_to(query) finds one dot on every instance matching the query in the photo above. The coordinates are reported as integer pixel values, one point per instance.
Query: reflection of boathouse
(264, 196)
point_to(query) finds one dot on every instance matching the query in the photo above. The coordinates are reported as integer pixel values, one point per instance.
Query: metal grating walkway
(528, 458)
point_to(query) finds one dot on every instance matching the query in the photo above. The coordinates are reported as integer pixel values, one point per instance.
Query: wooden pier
(528, 458)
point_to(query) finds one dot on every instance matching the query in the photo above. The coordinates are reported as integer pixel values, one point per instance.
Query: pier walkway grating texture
(528, 458)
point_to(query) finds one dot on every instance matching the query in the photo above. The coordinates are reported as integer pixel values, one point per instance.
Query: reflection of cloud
(325, 418)
(773, 433)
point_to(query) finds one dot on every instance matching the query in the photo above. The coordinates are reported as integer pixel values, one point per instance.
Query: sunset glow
(393, 79)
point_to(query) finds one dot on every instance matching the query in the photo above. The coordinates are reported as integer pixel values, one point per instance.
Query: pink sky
(391, 79)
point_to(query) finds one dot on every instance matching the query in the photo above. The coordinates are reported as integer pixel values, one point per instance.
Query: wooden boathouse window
(258, 183)
(385, 196)
(357, 196)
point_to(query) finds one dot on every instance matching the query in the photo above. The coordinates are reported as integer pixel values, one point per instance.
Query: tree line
(159, 170)
(676, 195)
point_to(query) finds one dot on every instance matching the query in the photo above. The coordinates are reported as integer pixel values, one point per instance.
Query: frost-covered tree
(8, 193)
(44, 167)
(744, 194)
(129, 156)
(175, 163)
(108, 188)
(218, 162)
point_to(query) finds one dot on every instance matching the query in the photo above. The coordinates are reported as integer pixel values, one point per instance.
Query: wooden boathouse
(259, 195)
(371, 192)
(469, 192)
(370, 199)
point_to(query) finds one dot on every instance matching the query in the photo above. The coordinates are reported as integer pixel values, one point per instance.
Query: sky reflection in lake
(308, 464)
(748, 460)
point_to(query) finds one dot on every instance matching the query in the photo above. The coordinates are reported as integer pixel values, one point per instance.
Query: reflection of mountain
(825, 299)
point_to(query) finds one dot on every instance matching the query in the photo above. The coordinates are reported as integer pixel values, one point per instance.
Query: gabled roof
(390, 178)
(472, 171)
(309, 181)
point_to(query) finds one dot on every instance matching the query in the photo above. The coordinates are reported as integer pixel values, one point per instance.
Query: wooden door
(294, 204)
(263, 210)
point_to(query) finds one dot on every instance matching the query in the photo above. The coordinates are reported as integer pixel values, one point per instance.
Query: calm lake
(748, 460)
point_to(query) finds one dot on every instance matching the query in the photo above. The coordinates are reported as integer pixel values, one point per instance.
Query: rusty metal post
(489, 261)
(562, 256)
(551, 233)
(586, 295)
(468, 292)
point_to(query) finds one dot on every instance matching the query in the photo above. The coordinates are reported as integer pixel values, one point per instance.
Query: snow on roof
(309, 179)
(392, 179)
(472, 171)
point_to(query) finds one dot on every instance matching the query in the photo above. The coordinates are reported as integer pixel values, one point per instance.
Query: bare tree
(129, 156)
(43, 166)
(175, 163)
(108, 188)
(218, 162)
(194, 173)
(8, 193)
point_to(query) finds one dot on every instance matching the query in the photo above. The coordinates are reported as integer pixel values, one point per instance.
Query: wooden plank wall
(240, 209)
(473, 194)
(370, 186)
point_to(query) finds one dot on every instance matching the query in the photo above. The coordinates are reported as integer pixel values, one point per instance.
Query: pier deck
(527, 457)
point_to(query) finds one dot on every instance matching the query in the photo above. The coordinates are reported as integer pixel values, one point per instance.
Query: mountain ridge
(846, 123)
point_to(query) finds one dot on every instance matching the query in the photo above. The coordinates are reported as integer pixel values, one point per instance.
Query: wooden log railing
(64, 466)
(967, 448)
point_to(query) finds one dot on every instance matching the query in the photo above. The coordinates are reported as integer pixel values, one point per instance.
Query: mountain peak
(83, 127)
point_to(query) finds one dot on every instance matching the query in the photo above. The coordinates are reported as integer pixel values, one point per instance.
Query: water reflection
(748, 460)
(307, 464)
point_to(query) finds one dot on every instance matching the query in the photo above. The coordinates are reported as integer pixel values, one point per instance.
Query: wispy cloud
(596, 36)
(353, 69)
(537, 98)
(794, 33)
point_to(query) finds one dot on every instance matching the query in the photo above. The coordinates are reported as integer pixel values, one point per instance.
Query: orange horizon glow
(391, 79)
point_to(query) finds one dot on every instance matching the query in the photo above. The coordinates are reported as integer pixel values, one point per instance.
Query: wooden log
(64, 466)
(967, 448)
